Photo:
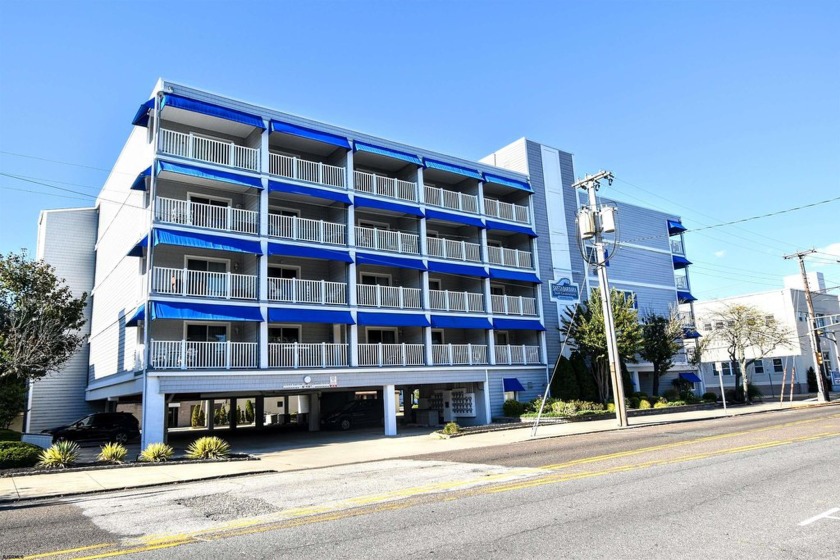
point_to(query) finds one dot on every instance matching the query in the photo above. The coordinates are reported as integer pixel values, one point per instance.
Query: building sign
(835, 379)
(565, 290)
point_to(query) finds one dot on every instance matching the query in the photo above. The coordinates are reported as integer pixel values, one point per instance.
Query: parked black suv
(120, 427)
(360, 412)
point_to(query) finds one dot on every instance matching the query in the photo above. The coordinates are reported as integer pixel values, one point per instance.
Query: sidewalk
(330, 451)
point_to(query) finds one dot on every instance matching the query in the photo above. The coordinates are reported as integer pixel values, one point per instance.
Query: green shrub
(156, 453)
(59, 455)
(195, 417)
(9, 435)
(210, 447)
(451, 428)
(610, 407)
(644, 404)
(513, 409)
(710, 397)
(16, 454)
(671, 394)
(640, 395)
(249, 411)
(634, 402)
(754, 392)
(112, 453)
(660, 404)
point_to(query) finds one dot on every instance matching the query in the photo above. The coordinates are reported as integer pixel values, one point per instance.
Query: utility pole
(822, 393)
(593, 222)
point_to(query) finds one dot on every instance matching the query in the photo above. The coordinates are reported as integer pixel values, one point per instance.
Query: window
(437, 336)
(778, 367)
(207, 211)
(383, 336)
(284, 335)
(707, 327)
(723, 367)
(629, 296)
(497, 290)
(206, 333)
(758, 366)
(502, 338)
(434, 284)
(205, 277)
(376, 279)
(718, 325)
(769, 320)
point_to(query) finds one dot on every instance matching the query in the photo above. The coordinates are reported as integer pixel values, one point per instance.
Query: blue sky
(715, 111)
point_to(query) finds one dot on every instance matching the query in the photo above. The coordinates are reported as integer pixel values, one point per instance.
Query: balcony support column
(154, 412)
(390, 402)
(233, 419)
(314, 412)
(491, 347)
(210, 414)
(353, 345)
(427, 345)
(264, 157)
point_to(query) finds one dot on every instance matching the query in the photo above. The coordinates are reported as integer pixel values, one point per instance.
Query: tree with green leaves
(584, 329)
(564, 384)
(661, 336)
(12, 399)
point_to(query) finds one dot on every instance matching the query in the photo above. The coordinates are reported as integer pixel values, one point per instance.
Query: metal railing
(677, 247)
(686, 319)
(206, 149)
(173, 211)
(459, 354)
(681, 282)
(387, 240)
(199, 283)
(444, 300)
(514, 305)
(391, 354)
(185, 354)
(509, 257)
(385, 186)
(306, 355)
(388, 296)
(294, 290)
(455, 250)
(506, 211)
(305, 170)
(435, 196)
(304, 229)
(514, 354)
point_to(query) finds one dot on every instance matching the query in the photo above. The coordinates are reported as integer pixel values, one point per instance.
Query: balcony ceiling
(184, 180)
(381, 163)
(206, 122)
(297, 144)
(452, 181)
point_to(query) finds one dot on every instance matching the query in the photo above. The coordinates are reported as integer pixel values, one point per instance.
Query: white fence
(459, 354)
(225, 218)
(304, 229)
(206, 149)
(509, 257)
(391, 354)
(305, 170)
(510, 354)
(198, 283)
(455, 250)
(506, 211)
(444, 300)
(385, 186)
(184, 354)
(514, 305)
(451, 199)
(387, 240)
(293, 290)
(302, 355)
(388, 296)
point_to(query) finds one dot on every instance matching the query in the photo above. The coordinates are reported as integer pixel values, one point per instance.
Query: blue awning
(456, 322)
(504, 226)
(452, 168)
(138, 316)
(364, 147)
(297, 315)
(675, 227)
(211, 174)
(388, 205)
(303, 251)
(141, 117)
(392, 319)
(690, 333)
(177, 101)
(137, 250)
(690, 377)
(460, 269)
(204, 311)
(511, 385)
(281, 186)
(518, 325)
(457, 218)
(521, 185)
(685, 297)
(503, 274)
(680, 262)
(385, 260)
(139, 183)
(312, 134)
(204, 241)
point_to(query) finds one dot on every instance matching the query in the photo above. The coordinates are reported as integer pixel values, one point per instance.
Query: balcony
(304, 229)
(199, 283)
(517, 355)
(305, 170)
(681, 282)
(509, 257)
(686, 319)
(451, 199)
(459, 354)
(299, 355)
(506, 211)
(208, 150)
(388, 296)
(387, 240)
(677, 247)
(454, 250)
(391, 355)
(293, 290)
(444, 300)
(185, 354)
(225, 218)
(513, 305)
(385, 186)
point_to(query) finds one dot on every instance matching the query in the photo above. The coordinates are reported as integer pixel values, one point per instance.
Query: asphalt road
(762, 486)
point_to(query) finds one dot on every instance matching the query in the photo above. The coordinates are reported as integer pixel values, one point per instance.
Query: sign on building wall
(565, 291)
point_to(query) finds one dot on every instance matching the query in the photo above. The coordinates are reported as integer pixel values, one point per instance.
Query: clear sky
(715, 111)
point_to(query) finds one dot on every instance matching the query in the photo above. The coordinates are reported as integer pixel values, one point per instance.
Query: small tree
(12, 399)
(587, 389)
(195, 417)
(249, 411)
(660, 335)
(564, 385)
(811, 376)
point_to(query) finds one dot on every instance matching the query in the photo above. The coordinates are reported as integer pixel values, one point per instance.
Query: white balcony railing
(451, 199)
(185, 354)
(173, 211)
(681, 282)
(391, 354)
(514, 305)
(506, 211)
(385, 186)
(451, 249)
(459, 354)
(509, 257)
(304, 229)
(198, 283)
(206, 149)
(387, 240)
(305, 170)
(510, 354)
(301, 355)
(677, 247)
(444, 300)
(388, 296)
(686, 319)
(293, 290)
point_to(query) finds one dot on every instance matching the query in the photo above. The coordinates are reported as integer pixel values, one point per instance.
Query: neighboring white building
(789, 307)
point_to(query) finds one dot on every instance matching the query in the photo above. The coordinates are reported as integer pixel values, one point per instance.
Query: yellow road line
(68, 551)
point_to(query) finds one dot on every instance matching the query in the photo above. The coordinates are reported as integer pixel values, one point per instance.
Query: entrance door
(209, 212)
(201, 354)
(210, 285)
(282, 289)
